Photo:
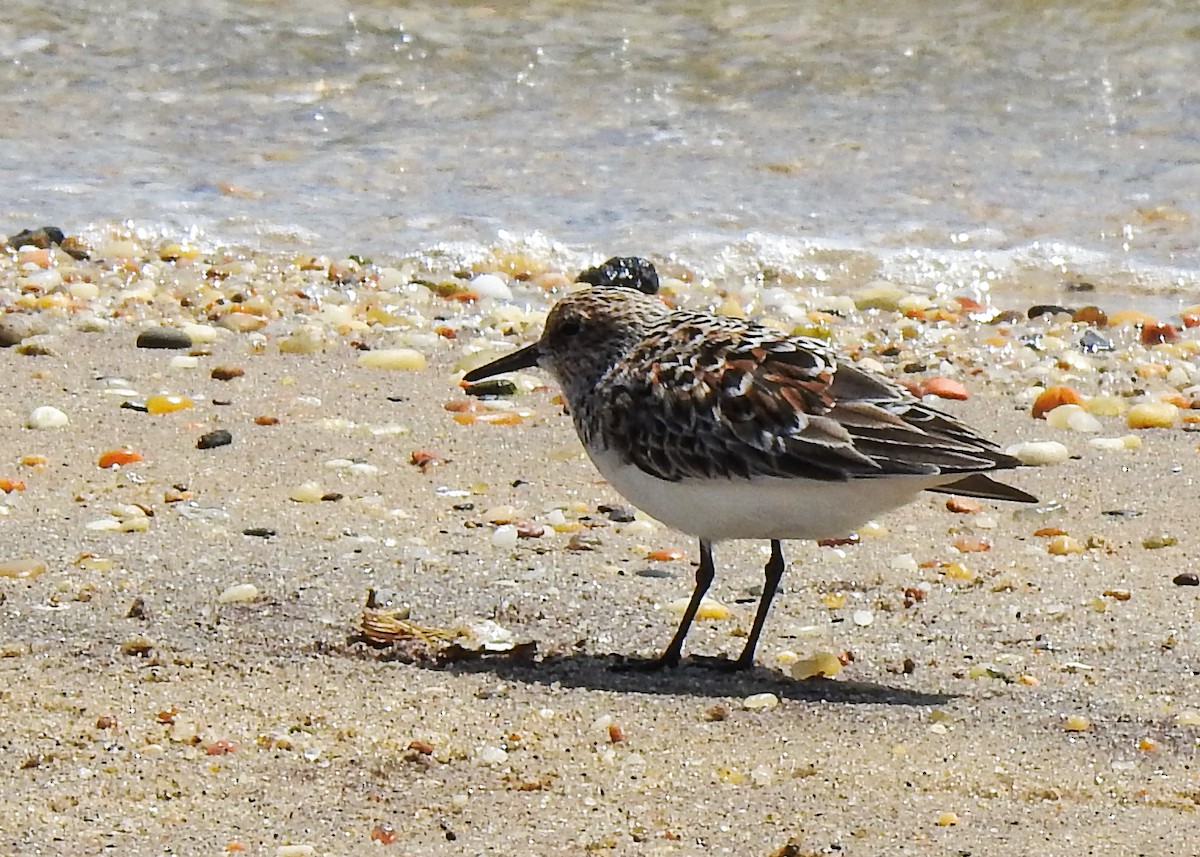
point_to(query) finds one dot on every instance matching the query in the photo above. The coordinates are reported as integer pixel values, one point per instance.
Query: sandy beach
(992, 701)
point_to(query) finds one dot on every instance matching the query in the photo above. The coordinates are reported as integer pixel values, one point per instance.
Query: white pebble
(1072, 417)
(392, 358)
(863, 618)
(46, 417)
(490, 755)
(491, 286)
(505, 536)
(239, 593)
(1039, 452)
(307, 492)
(295, 851)
(184, 361)
(1115, 444)
(760, 702)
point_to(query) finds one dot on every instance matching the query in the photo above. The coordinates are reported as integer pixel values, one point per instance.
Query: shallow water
(968, 144)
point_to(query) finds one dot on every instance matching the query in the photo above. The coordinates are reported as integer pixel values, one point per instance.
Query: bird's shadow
(604, 672)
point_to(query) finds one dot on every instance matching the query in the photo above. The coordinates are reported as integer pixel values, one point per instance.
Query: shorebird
(726, 429)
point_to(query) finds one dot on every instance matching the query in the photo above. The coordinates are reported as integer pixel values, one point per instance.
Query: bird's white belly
(763, 507)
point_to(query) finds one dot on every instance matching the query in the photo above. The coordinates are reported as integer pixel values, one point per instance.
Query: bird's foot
(725, 665)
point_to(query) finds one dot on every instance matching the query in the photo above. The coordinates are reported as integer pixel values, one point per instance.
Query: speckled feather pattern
(684, 395)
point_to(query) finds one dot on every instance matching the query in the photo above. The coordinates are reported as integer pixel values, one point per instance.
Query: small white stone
(491, 286)
(392, 358)
(490, 755)
(1039, 452)
(184, 361)
(863, 618)
(46, 417)
(760, 702)
(505, 536)
(239, 593)
(295, 851)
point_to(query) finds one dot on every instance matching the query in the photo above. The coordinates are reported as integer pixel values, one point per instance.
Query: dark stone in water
(164, 337)
(220, 437)
(259, 532)
(45, 238)
(1049, 309)
(632, 272)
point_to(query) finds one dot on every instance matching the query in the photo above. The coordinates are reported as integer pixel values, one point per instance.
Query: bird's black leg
(704, 579)
(774, 574)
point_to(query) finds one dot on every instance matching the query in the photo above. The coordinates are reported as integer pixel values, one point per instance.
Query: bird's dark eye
(570, 327)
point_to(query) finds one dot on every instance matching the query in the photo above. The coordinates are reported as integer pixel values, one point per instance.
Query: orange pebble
(943, 388)
(972, 544)
(1053, 397)
(266, 421)
(235, 846)
(1050, 531)
(166, 404)
(384, 834)
(665, 555)
(1159, 332)
(1190, 319)
(220, 747)
(500, 418)
(10, 485)
(963, 505)
(119, 457)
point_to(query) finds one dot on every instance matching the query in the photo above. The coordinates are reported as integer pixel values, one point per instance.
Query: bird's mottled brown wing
(759, 403)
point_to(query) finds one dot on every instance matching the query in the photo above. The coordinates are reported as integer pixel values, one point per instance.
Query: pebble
(213, 439)
(227, 373)
(709, 609)
(1053, 398)
(822, 664)
(1186, 578)
(1116, 444)
(1077, 723)
(1039, 452)
(491, 755)
(167, 403)
(1072, 417)
(1106, 406)
(1152, 415)
(863, 618)
(392, 358)
(1064, 546)
(1188, 717)
(46, 417)
(944, 388)
(947, 819)
(164, 337)
(22, 569)
(491, 286)
(307, 492)
(760, 702)
(295, 851)
(238, 593)
(505, 536)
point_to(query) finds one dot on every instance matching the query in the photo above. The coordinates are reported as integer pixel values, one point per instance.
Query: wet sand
(144, 716)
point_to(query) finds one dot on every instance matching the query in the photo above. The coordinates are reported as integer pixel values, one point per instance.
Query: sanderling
(725, 429)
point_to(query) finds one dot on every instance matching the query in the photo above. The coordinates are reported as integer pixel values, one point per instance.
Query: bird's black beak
(524, 358)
